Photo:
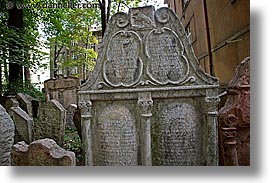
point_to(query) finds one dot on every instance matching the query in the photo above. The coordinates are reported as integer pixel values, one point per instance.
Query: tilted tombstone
(25, 103)
(51, 122)
(234, 120)
(6, 137)
(148, 102)
(44, 152)
(63, 89)
(11, 102)
(23, 125)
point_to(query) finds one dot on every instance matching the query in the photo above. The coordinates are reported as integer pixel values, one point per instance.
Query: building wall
(228, 40)
(67, 54)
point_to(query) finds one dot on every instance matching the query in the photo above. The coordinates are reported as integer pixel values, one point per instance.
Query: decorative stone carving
(44, 152)
(63, 89)
(234, 119)
(6, 137)
(118, 142)
(147, 72)
(123, 66)
(51, 122)
(179, 130)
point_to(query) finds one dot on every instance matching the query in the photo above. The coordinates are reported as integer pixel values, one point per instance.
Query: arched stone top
(144, 49)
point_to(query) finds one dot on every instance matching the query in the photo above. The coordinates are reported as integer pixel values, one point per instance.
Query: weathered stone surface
(23, 125)
(28, 103)
(63, 89)
(11, 102)
(234, 119)
(25, 103)
(51, 122)
(118, 145)
(44, 152)
(70, 111)
(6, 137)
(77, 122)
(147, 102)
(3, 100)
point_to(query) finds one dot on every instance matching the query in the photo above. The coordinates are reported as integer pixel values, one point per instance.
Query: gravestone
(6, 137)
(51, 122)
(11, 102)
(70, 111)
(28, 103)
(234, 120)
(63, 89)
(23, 125)
(44, 152)
(25, 103)
(148, 102)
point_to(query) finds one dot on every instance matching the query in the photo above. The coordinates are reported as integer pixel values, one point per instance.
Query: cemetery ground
(72, 143)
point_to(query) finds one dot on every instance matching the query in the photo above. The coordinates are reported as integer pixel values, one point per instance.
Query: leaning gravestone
(6, 137)
(23, 125)
(25, 103)
(148, 102)
(44, 152)
(51, 122)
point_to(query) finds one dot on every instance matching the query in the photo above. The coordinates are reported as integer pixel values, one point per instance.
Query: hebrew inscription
(149, 95)
(117, 134)
(167, 62)
(123, 66)
(178, 138)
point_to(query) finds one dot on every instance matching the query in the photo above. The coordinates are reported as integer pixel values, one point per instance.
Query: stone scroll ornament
(152, 104)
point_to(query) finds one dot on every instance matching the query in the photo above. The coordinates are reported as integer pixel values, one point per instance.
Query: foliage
(19, 45)
(72, 143)
(27, 88)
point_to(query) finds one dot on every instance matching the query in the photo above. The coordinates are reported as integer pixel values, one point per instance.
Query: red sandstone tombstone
(234, 120)
(43, 152)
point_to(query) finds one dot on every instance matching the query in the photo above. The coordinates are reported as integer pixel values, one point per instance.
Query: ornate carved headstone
(63, 89)
(148, 102)
(6, 137)
(51, 122)
(44, 152)
(234, 119)
(23, 125)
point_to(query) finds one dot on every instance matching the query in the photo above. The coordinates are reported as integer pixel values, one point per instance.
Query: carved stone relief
(234, 120)
(118, 142)
(149, 94)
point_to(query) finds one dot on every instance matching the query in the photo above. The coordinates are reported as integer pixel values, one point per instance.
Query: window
(92, 46)
(74, 70)
(74, 55)
(38, 77)
(73, 43)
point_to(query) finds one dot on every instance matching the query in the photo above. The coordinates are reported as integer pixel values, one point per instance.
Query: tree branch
(108, 10)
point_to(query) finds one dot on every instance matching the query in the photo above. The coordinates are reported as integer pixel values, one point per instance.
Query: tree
(112, 5)
(18, 45)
